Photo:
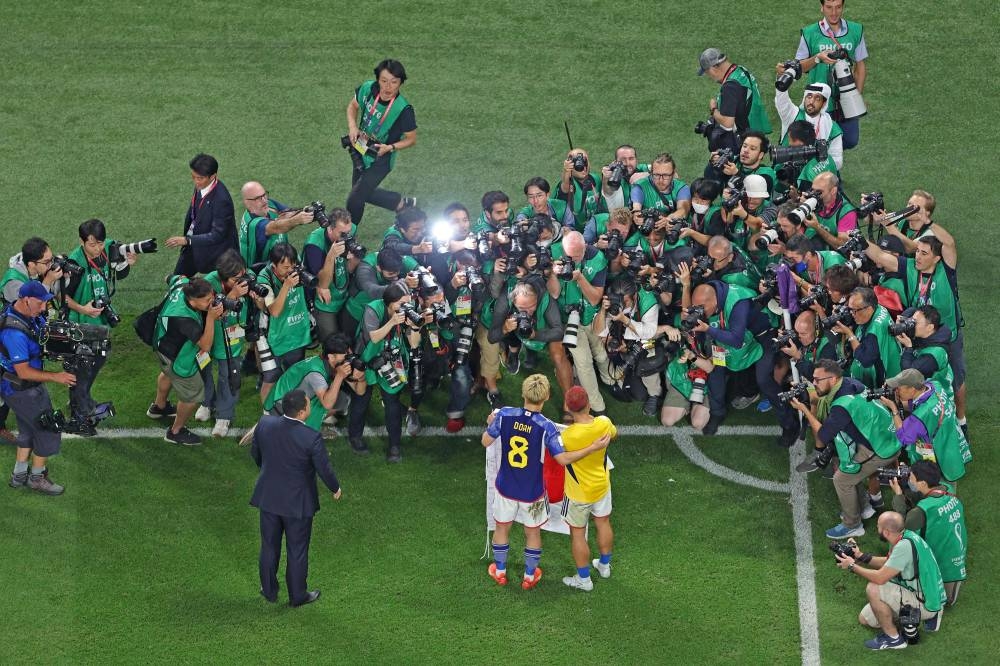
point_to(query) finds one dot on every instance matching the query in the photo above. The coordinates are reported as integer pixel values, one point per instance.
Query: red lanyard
(732, 68)
(923, 288)
(203, 197)
(370, 113)
(830, 34)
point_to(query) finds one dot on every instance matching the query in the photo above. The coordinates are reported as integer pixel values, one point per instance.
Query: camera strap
(830, 33)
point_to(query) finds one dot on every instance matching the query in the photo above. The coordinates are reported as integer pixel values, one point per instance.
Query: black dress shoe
(270, 600)
(310, 597)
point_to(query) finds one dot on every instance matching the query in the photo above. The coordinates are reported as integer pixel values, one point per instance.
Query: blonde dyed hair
(535, 389)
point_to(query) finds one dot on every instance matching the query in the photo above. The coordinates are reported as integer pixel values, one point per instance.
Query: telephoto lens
(264, 355)
(571, 335)
(388, 373)
(463, 343)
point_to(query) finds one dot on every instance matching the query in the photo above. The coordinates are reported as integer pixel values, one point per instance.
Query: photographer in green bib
(88, 294)
(616, 178)
(232, 280)
(664, 193)
(876, 354)
(925, 345)
(380, 123)
(333, 255)
(580, 188)
(749, 161)
(329, 380)
(816, 41)
(934, 512)
(736, 108)
(265, 223)
(540, 202)
(389, 330)
(375, 273)
(929, 431)
(183, 339)
(288, 325)
(904, 586)
(858, 431)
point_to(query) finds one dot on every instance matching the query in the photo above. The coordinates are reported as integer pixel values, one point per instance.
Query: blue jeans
(852, 132)
(461, 385)
(218, 395)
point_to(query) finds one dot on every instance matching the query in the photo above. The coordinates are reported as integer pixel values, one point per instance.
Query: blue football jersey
(524, 437)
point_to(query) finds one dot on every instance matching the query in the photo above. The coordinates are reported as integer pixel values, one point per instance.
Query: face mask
(799, 267)
(544, 243)
(701, 209)
(912, 486)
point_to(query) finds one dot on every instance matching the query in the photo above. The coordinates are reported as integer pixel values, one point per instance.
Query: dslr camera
(579, 162)
(798, 391)
(905, 326)
(233, 305)
(792, 73)
(525, 322)
(117, 252)
(306, 279)
(841, 315)
(872, 202)
(61, 262)
(617, 174)
(112, 317)
(879, 393)
(695, 315)
(887, 474)
(318, 210)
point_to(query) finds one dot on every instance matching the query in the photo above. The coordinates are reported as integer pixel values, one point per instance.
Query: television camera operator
(22, 386)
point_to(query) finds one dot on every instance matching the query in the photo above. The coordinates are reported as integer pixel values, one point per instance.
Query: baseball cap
(910, 377)
(892, 244)
(819, 88)
(576, 399)
(34, 289)
(755, 186)
(709, 58)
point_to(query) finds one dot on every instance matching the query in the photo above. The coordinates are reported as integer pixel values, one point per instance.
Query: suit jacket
(214, 230)
(290, 454)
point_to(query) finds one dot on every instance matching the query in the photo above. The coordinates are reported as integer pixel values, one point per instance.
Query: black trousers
(393, 416)
(80, 401)
(297, 533)
(365, 189)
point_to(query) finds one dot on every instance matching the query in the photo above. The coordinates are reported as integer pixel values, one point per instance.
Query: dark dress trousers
(290, 454)
(214, 231)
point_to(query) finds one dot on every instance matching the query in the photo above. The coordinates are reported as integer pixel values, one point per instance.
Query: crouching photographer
(183, 339)
(903, 586)
(934, 512)
(23, 390)
(100, 263)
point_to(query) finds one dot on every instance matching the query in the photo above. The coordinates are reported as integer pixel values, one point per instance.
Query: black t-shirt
(406, 122)
(733, 103)
(179, 330)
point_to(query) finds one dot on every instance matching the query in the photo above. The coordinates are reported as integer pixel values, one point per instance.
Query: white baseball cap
(755, 186)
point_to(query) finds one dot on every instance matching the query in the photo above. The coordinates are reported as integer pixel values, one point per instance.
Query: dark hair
(765, 143)
(389, 260)
(625, 146)
(799, 243)
(394, 292)
(706, 188)
(336, 343)
(538, 182)
(841, 278)
(785, 209)
(455, 207)
(931, 314)
(831, 366)
(802, 130)
(624, 287)
(926, 471)
(33, 249)
(394, 67)
(293, 402)
(339, 215)
(933, 242)
(283, 251)
(867, 295)
(204, 165)
(230, 264)
(408, 216)
(494, 197)
(197, 287)
(465, 257)
(92, 227)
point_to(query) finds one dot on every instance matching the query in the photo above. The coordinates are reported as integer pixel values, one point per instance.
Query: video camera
(77, 346)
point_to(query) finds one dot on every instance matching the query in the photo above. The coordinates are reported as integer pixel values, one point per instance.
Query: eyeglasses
(259, 197)
(44, 262)
(661, 176)
(863, 307)
(817, 380)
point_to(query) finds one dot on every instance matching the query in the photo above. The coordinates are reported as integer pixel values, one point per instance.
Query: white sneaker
(203, 414)
(867, 512)
(603, 569)
(578, 583)
(221, 428)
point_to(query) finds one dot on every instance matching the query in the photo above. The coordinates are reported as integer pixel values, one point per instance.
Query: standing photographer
(88, 298)
(380, 123)
(288, 332)
(265, 223)
(332, 255)
(580, 188)
(21, 386)
(738, 105)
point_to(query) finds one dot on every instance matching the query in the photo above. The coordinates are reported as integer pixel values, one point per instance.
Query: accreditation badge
(463, 305)
(363, 143)
(203, 360)
(719, 356)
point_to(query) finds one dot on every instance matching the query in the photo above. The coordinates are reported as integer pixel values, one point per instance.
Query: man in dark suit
(210, 223)
(290, 454)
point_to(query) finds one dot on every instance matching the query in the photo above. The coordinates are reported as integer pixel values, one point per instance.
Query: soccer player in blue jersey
(524, 435)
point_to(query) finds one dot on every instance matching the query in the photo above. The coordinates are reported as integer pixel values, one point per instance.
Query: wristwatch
(816, 60)
(850, 567)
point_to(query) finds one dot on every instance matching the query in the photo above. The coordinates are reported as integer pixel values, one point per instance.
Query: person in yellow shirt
(587, 490)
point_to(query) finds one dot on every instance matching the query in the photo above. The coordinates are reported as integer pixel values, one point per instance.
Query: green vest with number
(232, 322)
(396, 341)
(356, 303)
(570, 293)
(875, 423)
(186, 363)
(938, 293)
(930, 591)
(94, 283)
(948, 446)
(291, 379)
(817, 42)
(945, 533)
(340, 277)
(888, 349)
(248, 236)
(743, 357)
(757, 117)
(291, 329)
(376, 119)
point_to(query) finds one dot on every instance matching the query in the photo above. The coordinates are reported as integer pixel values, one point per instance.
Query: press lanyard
(370, 113)
(830, 34)
(923, 288)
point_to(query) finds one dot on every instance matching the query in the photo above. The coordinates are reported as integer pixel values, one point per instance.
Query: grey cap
(911, 377)
(710, 58)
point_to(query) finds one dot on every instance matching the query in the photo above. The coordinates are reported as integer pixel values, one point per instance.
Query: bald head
(891, 522)
(574, 246)
(704, 295)
(254, 198)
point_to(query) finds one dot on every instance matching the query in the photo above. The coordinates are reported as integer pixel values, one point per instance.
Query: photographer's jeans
(852, 132)
(217, 394)
(393, 415)
(461, 385)
(80, 402)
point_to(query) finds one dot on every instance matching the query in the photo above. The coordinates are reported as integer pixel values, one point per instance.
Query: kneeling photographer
(22, 387)
(100, 263)
(934, 512)
(904, 586)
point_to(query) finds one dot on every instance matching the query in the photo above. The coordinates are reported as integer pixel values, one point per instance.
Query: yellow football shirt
(587, 480)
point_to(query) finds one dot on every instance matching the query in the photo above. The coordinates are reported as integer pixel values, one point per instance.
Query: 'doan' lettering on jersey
(523, 427)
